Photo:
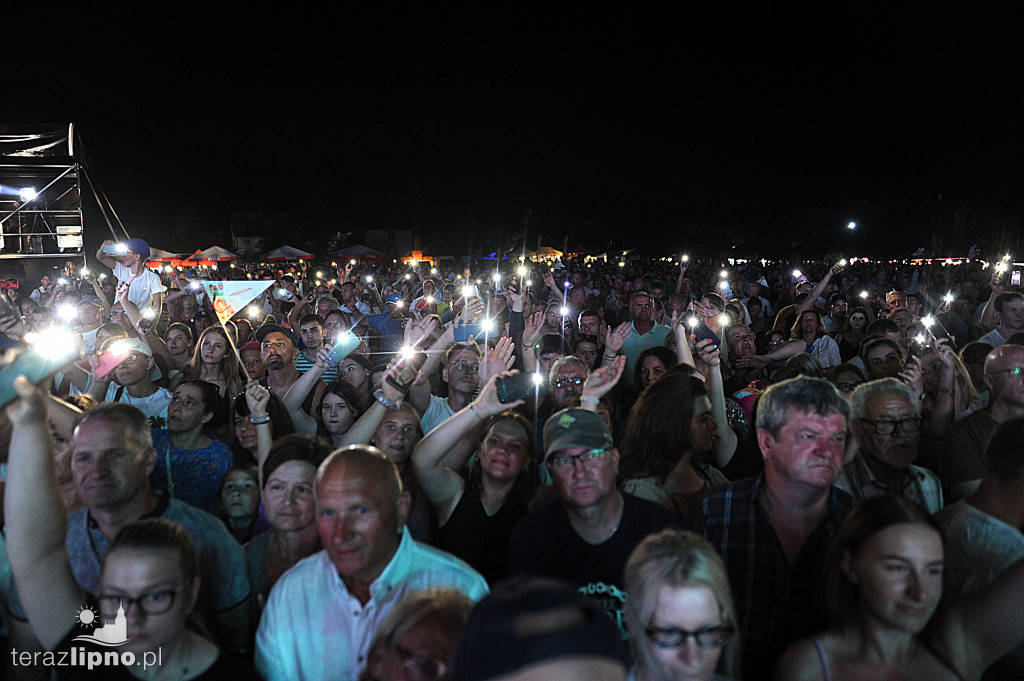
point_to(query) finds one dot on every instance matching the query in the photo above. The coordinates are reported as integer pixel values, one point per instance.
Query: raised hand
(500, 359)
(614, 340)
(256, 398)
(532, 330)
(604, 379)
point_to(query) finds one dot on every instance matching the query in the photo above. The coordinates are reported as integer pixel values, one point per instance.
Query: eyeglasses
(712, 637)
(154, 603)
(276, 345)
(561, 383)
(887, 426)
(1013, 371)
(424, 667)
(567, 461)
(131, 359)
(466, 366)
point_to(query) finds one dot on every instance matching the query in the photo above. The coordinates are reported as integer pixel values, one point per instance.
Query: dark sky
(627, 125)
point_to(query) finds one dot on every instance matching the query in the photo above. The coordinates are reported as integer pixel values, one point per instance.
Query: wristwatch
(390, 405)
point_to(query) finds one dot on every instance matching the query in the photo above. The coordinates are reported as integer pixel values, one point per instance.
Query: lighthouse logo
(110, 634)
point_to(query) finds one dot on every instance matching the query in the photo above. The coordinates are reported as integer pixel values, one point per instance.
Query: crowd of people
(669, 469)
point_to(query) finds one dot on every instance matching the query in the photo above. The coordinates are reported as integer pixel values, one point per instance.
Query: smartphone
(1015, 278)
(497, 285)
(36, 365)
(115, 249)
(703, 332)
(410, 369)
(517, 387)
(342, 348)
(463, 333)
(111, 358)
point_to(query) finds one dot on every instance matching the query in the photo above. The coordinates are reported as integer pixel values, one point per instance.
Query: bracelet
(390, 405)
(611, 357)
(948, 391)
(259, 420)
(472, 408)
(588, 398)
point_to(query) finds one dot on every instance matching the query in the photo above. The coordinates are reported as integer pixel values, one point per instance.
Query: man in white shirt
(322, 614)
(144, 287)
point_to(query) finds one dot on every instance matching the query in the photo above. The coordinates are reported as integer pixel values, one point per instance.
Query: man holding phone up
(128, 261)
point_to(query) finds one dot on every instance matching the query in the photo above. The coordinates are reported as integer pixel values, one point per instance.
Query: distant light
(369, 280)
(84, 271)
(538, 379)
(949, 297)
(253, 311)
(724, 285)
(407, 352)
(487, 325)
(62, 281)
(863, 294)
(797, 274)
(686, 258)
(851, 225)
(920, 338)
(27, 194)
(67, 312)
(692, 322)
(564, 311)
(928, 320)
(467, 291)
(521, 270)
(566, 284)
(724, 319)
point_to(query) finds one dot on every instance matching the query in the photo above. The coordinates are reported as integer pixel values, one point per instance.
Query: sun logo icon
(87, 617)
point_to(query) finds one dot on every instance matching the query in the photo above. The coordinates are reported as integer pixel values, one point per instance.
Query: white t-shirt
(140, 287)
(152, 405)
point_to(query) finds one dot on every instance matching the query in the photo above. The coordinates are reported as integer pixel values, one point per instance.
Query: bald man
(321, 615)
(962, 463)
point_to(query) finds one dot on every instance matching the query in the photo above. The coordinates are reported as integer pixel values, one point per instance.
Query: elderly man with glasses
(886, 420)
(586, 536)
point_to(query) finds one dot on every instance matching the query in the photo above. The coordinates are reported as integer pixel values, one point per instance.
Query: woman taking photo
(190, 465)
(882, 590)
(148, 584)
(680, 613)
(242, 438)
(476, 514)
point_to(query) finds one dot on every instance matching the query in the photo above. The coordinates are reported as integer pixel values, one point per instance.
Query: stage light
(27, 194)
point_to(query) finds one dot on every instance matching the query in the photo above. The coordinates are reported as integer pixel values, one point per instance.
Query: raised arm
(362, 430)
(442, 485)
(812, 298)
(35, 522)
(985, 625)
(725, 443)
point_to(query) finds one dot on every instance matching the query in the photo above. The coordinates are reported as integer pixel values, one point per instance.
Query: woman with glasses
(477, 513)
(417, 639)
(679, 611)
(883, 592)
(149, 580)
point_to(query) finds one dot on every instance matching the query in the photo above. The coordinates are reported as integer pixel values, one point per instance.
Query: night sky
(699, 126)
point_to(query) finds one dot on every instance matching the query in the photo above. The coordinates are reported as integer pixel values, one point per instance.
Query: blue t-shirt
(195, 473)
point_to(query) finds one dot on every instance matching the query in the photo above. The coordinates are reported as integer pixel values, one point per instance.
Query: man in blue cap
(128, 261)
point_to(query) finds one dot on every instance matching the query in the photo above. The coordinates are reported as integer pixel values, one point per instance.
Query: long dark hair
(658, 429)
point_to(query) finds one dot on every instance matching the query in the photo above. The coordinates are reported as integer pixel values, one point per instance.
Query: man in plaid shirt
(773, 530)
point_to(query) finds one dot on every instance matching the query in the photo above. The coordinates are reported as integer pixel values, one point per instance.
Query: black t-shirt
(546, 544)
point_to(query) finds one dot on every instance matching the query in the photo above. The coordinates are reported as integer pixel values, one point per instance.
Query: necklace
(615, 527)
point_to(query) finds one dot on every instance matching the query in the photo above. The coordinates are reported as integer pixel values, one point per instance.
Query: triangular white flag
(228, 297)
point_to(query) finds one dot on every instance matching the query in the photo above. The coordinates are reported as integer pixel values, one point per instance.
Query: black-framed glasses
(561, 383)
(888, 426)
(670, 637)
(424, 667)
(153, 603)
(567, 461)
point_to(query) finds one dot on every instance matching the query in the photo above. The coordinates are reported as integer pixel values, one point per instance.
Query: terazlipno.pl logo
(110, 635)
